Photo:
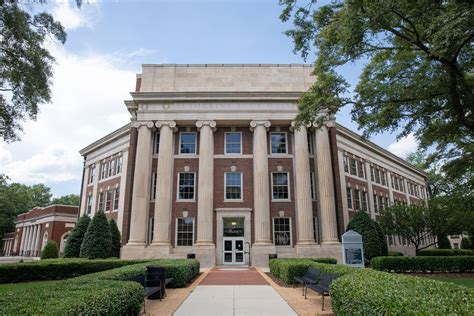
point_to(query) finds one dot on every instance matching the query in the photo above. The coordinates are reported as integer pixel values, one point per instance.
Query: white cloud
(88, 93)
(404, 146)
(72, 17)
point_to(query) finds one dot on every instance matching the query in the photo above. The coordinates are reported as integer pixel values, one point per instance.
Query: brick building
(39, 225)
(211, 164)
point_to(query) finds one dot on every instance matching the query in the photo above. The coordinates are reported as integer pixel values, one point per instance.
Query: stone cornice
(106, 139)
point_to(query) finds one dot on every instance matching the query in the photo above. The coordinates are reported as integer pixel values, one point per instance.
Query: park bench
(322, 287)
(154, 284)
(310, 277)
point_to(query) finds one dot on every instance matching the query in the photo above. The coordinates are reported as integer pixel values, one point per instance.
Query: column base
(206, 254)
(133, 251)
(259, 254)
(158, 250)
(307, 250)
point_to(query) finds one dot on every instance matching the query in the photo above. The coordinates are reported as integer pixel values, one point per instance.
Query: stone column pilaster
(31, 240)
(370, 192)
(325, 182)
(27, 239)
(164, 187)
(304, 203)
(141, 189)
(38, 239)
(22, 241)
(390, 189)
(405, 183)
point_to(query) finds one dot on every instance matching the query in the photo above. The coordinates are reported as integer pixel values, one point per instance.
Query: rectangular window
(151, 227)
(313, 187)
(393, 185)
(311, 143)
(315, 228)
(103, 173)
(186, 183)
(89, 203)
(353, 167)
(154, 179)
(387, 202)
(357, 200)
(91, 173)
(361, 169)
(402, 185)
(376, 206)
(278, 143)
(349, 198)
(384, 179)
(397, 187)
(108, 200)
(187, 143)
(184, 231)
(111, 167)
(372, 177)
(101, 201)
(233, 186)
(364, 201)
(119, 164)
(233, 143)
(282, 231)
(116, 198)
(157, 143)
(377, 175)
(346, 164)
(381, 203)
(280, 186)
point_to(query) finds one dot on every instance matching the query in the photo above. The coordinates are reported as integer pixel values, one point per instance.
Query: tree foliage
(71, 199)
(465, 243)
(72, 248)
(372, 235)
(115, 239)
(443, 242)
(97, 241)
(417, 75)
(50, 250)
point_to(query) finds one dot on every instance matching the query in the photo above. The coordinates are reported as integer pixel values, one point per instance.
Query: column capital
(294, 126)
(211, 124)
(327, 122)
(137, 124)
(254, 124)
(170, 124)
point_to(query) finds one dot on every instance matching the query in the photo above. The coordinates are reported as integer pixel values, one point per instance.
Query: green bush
(71, 298)
(115, 239)
(372, 235)
(445, 252)
(379, 293)
(453, 264)
(97, 240)
(57, 269)
(443, 242)
(287, 268)
(395, 254)
(50, 251)
(72, 248)
(465, 243)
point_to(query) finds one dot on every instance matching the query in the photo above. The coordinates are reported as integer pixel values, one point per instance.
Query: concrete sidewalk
(234, 300)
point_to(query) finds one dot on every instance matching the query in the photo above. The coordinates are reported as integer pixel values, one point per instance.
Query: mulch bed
(277, 280)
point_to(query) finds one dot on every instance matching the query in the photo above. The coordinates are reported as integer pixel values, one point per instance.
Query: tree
(50, 251)
(115, 238)
(97, 241)
(374, 242)
(443, 242)
(72, 248)
(417, 75)
(71, 199)
(465, 243)
(26, 64)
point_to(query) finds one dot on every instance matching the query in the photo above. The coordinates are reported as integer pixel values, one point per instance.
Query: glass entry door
(234, 250)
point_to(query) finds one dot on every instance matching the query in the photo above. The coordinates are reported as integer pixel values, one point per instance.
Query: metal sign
(353, 250)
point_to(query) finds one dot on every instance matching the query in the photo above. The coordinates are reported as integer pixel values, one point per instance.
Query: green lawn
(459, 281)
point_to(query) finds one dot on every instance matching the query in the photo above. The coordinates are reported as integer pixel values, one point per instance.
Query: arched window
(63, 242)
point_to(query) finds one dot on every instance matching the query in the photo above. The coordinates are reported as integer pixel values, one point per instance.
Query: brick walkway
(234, 276)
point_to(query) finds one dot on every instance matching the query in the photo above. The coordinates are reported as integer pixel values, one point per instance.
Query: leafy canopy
(418, 68)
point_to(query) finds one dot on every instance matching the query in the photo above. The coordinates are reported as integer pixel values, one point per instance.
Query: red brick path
(220, 276)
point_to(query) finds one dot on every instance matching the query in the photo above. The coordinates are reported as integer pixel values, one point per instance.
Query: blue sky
(107, 43)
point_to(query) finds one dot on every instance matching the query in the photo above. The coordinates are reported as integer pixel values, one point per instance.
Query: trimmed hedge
(287, 268)
(57, 269)
(445, 252)
(395, 254)
(71, 298)
(50, 251)
(452, 264)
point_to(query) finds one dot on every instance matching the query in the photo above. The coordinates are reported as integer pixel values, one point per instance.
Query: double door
(234, 253)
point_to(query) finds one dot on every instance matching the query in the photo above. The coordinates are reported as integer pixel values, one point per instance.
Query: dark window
(186, 186)
(184, 231)
(282, 231)
(280, 186)
(233, 143)
(233, 186)
(278, 143)
(188, 143)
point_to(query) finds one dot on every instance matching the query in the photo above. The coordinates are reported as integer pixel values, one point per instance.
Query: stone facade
(212, 164)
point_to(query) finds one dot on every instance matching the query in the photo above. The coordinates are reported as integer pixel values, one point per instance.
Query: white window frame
(177, 188)
(100, 201)
(358, 197)
(176, 232)
(111, 168)
(376, 203)
(351, 206)
(103, 170)
(365, 198)
(91, 173)
(286, 143)
(346, 162)
(356, 169)
(289, 187)
(119, 164)
(361, 167)
(108, 194)
(116, 199)
(312, 184)
(89, 204)
(225, 144)
(195, 144)
(273, 235)
(241, 187)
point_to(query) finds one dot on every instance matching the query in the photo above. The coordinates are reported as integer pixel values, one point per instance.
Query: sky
(107, 43)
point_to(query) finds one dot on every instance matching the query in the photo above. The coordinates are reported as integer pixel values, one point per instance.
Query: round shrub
(465, 243)
(115, 234)
(372, 236)
(72, 248)
(50, 251)
(443, 242)
(97, 240)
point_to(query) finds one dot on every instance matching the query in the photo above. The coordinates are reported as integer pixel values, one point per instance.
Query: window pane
(185, 231)
(278, 143)
(188, 143)
(232, 143)
(280, 186)
(233, 189)
(186, 186)
(282, 233)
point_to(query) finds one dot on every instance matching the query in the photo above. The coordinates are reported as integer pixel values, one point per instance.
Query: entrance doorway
(233, 241)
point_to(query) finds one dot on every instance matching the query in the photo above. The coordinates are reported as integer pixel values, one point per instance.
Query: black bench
(310, 277)
(156, 276)
(322, 287)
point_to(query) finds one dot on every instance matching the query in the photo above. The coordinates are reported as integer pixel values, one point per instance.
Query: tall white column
(370, 191)
(304, 203)
(141, 184)
(261, 184)
(164, 187)
(22, 241)
(327, 201)
(87, 171)
(27, 239)
(407, 195)
(205, 183)
(37, 243)
(30, 239)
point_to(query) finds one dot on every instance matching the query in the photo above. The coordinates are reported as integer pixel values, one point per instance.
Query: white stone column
(123, 182)
(164, 187)
(27, 239)
(31, 240)
(325, 181)
(83, 209)
(407, 195)
(261, 183)
(390, 189)
(304, 203)
(38, 239)
(22, 241)
(370, 192)
(141, 191)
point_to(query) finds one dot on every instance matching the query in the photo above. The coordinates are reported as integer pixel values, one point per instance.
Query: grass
(458, 281)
